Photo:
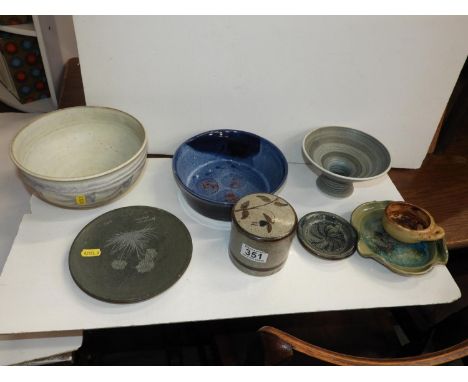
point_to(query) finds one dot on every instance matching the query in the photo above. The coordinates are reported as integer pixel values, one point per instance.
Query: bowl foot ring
(334, 188)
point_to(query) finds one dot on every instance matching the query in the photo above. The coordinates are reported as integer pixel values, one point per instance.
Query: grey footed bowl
(342, 156)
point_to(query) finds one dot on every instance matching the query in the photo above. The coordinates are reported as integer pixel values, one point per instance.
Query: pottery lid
(264, 216)
(327, 235)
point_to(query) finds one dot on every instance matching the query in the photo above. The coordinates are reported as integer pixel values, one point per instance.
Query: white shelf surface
(22, 29)
(14, 202)
(37, 292)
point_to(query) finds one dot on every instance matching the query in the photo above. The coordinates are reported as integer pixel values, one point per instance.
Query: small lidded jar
(263, 226)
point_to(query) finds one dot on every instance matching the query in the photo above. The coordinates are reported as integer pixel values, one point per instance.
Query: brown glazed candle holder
(408, 223)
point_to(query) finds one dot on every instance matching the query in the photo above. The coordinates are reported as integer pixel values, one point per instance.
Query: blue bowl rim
(224, 204)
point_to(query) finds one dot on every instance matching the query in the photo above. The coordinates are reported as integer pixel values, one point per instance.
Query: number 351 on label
(253, 254)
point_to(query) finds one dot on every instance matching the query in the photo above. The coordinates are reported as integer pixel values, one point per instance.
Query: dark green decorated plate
(130, 254)
(327, 235)
(402, 258)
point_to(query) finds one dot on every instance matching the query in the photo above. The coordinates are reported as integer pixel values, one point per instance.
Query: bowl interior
(77, 142)
(224, 165)
(408, 216)
(346, 152)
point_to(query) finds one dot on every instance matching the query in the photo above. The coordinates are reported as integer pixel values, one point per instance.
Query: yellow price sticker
(80, 200)
(91, 252)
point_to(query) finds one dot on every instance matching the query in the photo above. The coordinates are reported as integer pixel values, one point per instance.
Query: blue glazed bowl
(217, 168)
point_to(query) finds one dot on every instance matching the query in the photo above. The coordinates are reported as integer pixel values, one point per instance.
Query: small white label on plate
(253, 254)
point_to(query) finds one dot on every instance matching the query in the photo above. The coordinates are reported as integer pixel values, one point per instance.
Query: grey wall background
(277, 76)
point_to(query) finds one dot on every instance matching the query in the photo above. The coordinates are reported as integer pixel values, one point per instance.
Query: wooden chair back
(279, 346)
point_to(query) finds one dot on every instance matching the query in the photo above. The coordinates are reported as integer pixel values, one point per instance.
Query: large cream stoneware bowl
(80, 157)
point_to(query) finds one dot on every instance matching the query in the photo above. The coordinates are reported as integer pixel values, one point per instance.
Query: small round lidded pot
(263, 226)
